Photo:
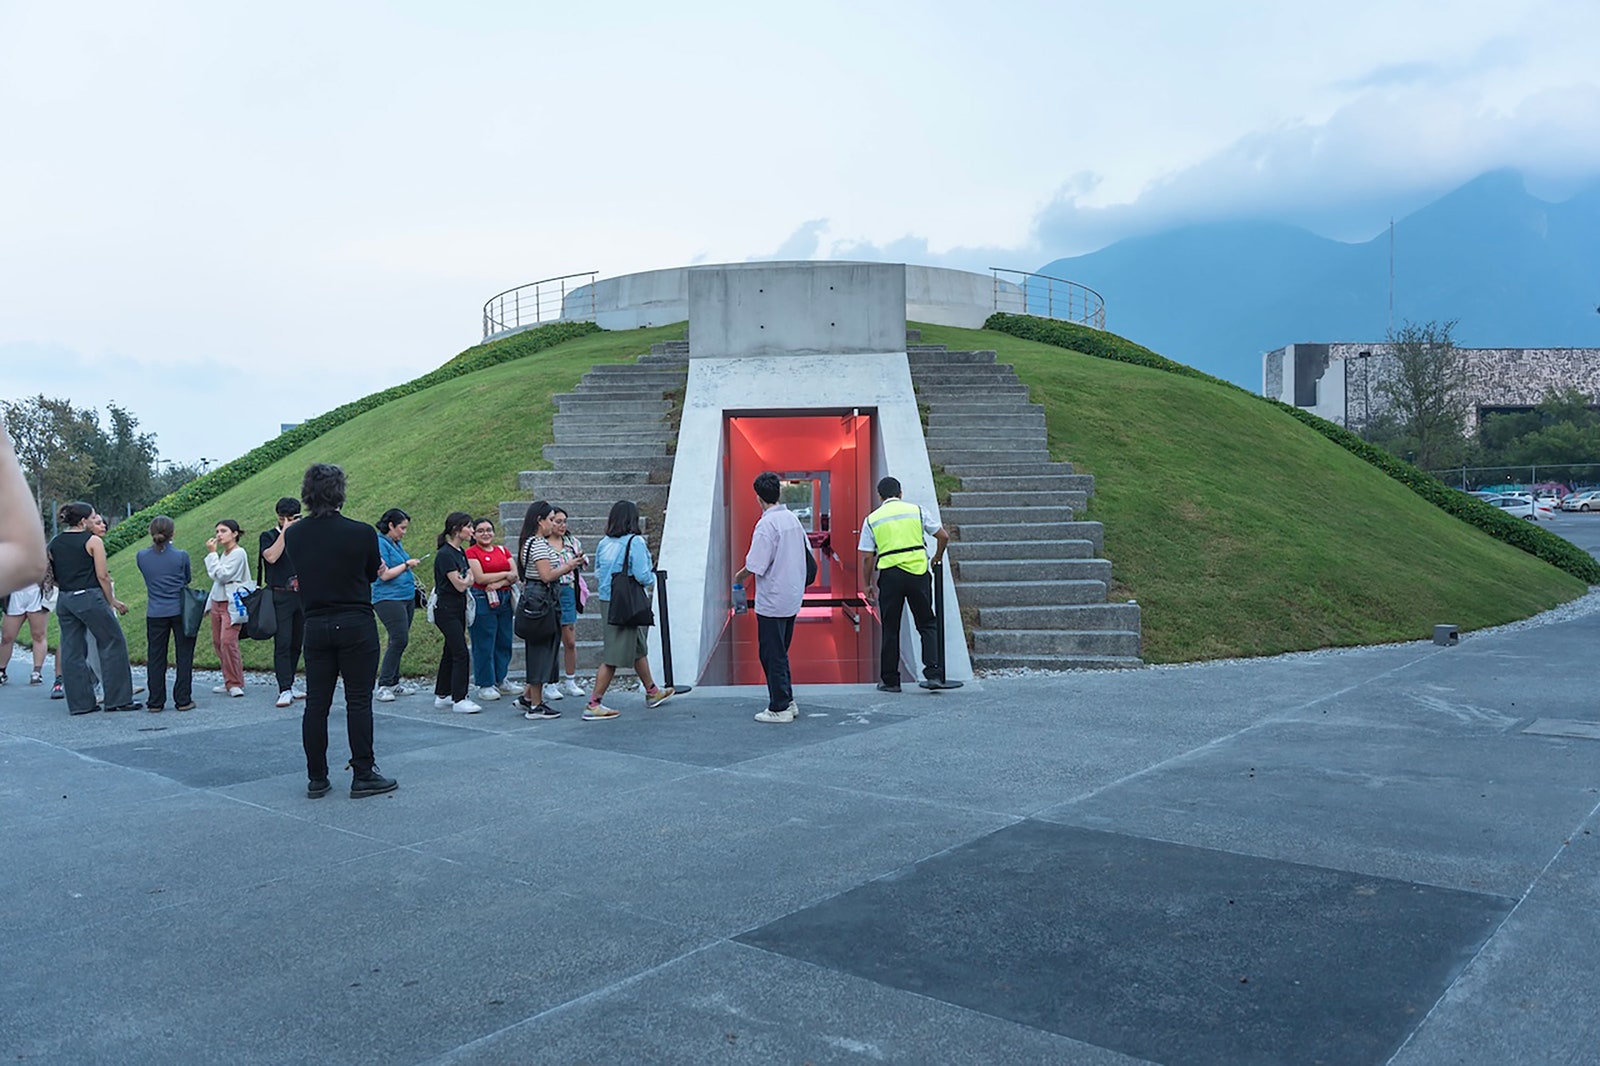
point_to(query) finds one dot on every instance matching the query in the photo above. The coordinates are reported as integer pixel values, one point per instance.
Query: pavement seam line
(1515, 907)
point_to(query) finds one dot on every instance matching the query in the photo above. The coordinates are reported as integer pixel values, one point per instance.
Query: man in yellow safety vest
(895, 562)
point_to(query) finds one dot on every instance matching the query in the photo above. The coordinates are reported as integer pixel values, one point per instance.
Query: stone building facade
(1341, 381)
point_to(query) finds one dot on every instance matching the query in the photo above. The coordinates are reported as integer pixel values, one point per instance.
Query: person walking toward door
(896, 559)
(778, 557)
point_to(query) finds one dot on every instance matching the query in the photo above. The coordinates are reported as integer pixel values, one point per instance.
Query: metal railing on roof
(568, 298)
(1047, 297)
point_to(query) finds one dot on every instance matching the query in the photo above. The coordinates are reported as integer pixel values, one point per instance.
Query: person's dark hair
(476, 522)
(766, 486)
(888, 487)
(288, 507)
(562, 511)
(454, 522)
(623, 520)
(74, 513)
(323, 489)
(233, 525)
(537, 512)
(161, 531)
(391, 518)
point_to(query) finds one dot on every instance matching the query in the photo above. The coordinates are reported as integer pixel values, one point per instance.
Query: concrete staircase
(614, 436)
(1029, 575)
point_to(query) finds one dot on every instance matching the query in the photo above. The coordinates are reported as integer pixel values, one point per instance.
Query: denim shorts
(569, 605)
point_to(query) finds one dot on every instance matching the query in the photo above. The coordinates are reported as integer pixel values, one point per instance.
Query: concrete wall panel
(758, 309)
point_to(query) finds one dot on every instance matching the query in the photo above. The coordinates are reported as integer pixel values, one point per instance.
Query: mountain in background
(1516, 271)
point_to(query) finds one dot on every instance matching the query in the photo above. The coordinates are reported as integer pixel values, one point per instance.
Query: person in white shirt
(778, 557)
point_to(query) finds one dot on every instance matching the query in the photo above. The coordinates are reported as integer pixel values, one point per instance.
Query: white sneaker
(571, 687)
(443, 703)
(236, 691)
(552, 692)
(297, 692)
(466, 707)
(221, 690)
(488, 692)
(385, 694)
(285, 699)
(405, 688)
(508, 689)
(784, 716)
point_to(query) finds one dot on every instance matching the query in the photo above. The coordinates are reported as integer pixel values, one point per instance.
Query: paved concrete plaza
(1382, 855)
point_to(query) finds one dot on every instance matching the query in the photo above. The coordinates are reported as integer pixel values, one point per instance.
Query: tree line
(1424, 407)
(68, 454)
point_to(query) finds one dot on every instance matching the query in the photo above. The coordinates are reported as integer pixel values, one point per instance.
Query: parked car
(1523, 507)
(1582, 501)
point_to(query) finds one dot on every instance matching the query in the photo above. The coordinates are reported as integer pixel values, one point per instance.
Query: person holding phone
(228, 566)
(278, 574)
(394, 601)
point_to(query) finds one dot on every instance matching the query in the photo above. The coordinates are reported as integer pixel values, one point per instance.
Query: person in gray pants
(78, 560)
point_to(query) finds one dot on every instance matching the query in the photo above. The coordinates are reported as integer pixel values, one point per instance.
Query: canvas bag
(629, 603)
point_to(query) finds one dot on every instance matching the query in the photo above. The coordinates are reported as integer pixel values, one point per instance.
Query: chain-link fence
(1558, 477)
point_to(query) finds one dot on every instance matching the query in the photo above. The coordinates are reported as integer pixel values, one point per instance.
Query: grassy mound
(1242, 531)
(456, 445)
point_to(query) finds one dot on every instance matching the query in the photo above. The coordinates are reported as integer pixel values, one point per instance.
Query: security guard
(892, 551)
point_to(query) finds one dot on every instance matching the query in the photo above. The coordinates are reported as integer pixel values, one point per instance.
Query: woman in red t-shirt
(492, 578)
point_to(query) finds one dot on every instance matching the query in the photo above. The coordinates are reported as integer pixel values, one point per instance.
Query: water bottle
(739, 606)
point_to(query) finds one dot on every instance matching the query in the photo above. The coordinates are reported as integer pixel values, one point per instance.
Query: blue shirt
(608, 556)
(401, 587)
(165, 575)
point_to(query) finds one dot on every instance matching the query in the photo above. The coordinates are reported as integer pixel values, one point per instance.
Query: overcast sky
(227, 216)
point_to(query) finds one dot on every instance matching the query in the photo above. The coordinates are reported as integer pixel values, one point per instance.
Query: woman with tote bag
(620, 557)
(228, 566)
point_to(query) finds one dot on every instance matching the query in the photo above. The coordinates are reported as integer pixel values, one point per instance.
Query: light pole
(1366, 396)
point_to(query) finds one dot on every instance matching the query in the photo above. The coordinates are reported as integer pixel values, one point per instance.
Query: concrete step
(646, 455)
(602, 405)
(964, 390)
(913, 336)
(1035, 468)
(984, 421)
(1029, 593)
(1055, 662)
(976, 406)
(1006, 500)
(589, 483)
(1032, 569)
(1024, 549)
(1080, 617)
(619, 393)
(597, 427)
(972, 456)
(670, 348)
(588, 524)
(1044, 483)
(937, 354)
(995, 430)
(986, 375)
(636, 372)
(915, 347)
(1103, 643)
(1039, 513)
(984, 533)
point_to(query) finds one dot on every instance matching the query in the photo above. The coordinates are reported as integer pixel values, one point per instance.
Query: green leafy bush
(210, 486)
(1516, 532)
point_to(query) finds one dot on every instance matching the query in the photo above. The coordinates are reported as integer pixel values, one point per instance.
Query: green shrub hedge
(208, 487)
(1517, 532)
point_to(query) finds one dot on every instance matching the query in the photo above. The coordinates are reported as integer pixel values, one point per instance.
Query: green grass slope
(1241, 531)
(458, 445)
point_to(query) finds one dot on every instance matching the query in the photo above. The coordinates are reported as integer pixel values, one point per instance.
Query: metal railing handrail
(528, 304)
(1066, 300)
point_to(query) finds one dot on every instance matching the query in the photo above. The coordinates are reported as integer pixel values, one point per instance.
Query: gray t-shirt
(165, 575)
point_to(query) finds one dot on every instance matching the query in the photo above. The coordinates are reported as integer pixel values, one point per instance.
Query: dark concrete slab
(448, 788)
(717, 852)
(1472, 811)
(391, 958)
(39, 780)
(227, 756)
(142, 858)
(1178, 954)
(735, 1004)
(720, 732)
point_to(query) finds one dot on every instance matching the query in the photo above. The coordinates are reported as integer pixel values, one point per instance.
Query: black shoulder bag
(630, 603)
(538, 615)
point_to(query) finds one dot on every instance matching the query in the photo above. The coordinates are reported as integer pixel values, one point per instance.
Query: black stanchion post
(666, 634)
(938, 613)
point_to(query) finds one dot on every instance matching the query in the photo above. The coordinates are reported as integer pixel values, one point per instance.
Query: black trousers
(541, 657)
(455, 662)
(290, 637)
(896, 590)
(774, 636)
(340, 644)
(156, 631)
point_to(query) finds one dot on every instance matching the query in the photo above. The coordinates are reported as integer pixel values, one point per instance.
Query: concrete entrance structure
(787, 339)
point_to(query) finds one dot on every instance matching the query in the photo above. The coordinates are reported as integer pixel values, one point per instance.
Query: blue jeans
(491, 639)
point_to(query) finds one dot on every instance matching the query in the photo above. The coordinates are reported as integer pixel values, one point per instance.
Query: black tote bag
(630, 603)
(193, 605)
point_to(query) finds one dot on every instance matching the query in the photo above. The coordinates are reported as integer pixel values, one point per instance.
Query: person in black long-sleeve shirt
(337, 560)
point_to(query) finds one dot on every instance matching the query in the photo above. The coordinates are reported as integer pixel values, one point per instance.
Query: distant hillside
(1515, 270)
